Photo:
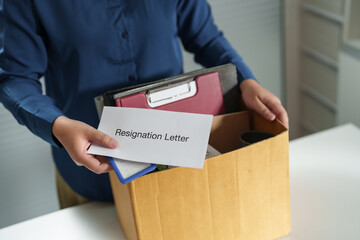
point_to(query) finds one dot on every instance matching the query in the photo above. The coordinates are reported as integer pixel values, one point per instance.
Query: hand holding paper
(76, 137)
(154, 136)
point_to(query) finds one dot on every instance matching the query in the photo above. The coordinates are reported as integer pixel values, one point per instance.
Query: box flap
(226, 130)
(260, 123)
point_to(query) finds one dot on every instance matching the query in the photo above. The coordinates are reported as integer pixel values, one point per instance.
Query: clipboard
(201, 94)
(228, 79)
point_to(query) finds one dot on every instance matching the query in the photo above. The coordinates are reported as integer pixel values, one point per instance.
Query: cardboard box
(241, 194)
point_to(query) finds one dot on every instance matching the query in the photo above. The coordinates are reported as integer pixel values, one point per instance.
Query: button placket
(121, 26)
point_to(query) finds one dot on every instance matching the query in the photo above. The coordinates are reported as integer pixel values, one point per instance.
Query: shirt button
(125, 34)
(131, 78)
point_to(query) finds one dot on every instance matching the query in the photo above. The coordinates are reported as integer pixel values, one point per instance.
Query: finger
(78, 163)
(95, 165)
(283, 117)
(103, 139)
(280, 112)
(104, 160)
(263, 110)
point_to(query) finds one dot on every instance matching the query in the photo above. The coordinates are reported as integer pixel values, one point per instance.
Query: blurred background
(307, 52)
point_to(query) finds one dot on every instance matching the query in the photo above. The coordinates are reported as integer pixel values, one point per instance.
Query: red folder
(208, 98)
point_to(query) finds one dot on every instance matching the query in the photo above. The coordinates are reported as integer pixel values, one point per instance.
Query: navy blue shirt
(86, 47)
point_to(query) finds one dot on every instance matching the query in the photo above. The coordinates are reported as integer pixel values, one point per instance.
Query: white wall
(254, 28)
(27, 186)
(292, 63)
(349, 89)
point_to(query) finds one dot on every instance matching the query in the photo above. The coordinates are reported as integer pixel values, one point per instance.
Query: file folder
(127, 171)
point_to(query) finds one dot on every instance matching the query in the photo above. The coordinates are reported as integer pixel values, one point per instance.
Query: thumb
(102, 139)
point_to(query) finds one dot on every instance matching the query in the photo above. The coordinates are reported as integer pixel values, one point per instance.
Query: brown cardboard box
(241, 194)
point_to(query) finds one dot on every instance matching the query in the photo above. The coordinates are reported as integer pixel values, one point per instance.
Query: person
(84, 48)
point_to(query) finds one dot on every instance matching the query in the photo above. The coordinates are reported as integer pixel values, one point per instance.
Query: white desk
(92, 221)
(324, 186)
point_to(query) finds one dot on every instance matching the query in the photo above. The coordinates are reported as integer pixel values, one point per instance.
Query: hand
(76, 137)
(262, 101)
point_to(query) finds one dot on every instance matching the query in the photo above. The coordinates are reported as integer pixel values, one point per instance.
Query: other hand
(262, 101)
(76, 137)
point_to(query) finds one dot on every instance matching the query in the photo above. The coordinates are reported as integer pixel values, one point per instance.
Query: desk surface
(325, 185)
(89, 221)
(324, 193)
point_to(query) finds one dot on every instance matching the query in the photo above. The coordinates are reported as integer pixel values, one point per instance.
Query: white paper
(211, 152)
(154, 136)
(129, 168)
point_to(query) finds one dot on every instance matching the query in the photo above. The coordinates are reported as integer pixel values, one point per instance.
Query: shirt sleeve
(200, 36)
(23, 60)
